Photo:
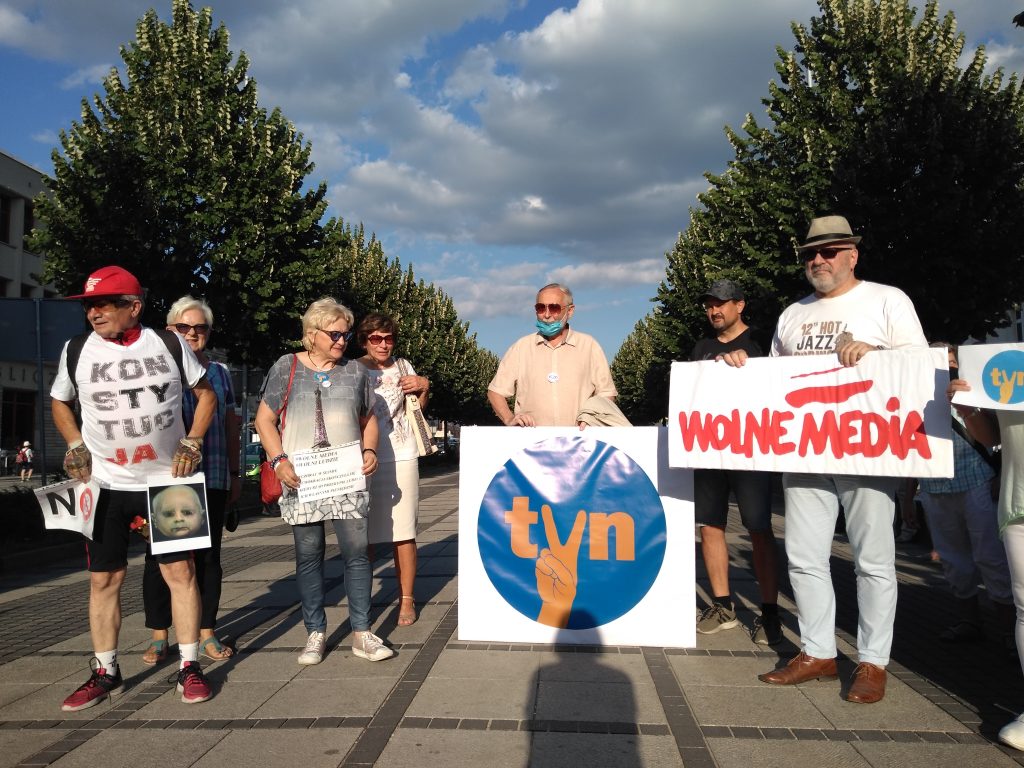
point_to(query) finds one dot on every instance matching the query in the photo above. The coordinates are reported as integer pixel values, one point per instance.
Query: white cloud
(91, 75)
(642, 272)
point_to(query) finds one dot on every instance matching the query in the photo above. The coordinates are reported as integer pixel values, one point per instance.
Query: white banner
(996, 375)
(887, 415)
(329, 472)
(574, 537)
(69, 506)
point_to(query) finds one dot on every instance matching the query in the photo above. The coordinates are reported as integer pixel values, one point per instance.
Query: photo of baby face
(178, 513)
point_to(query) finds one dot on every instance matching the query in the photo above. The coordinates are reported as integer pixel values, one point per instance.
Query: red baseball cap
(110, 281)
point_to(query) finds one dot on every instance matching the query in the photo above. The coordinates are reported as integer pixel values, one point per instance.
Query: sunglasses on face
(106, 303)
(825, 253)
(183, 328)
(337, 336)
(377, 338)
(554, 309)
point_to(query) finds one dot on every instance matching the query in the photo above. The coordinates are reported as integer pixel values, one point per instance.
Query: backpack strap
(288, 390)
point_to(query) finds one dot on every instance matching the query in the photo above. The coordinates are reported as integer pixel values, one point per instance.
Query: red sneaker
(192, 683)
(99, 686)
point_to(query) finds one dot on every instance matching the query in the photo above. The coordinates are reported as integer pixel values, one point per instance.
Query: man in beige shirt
(552, 372)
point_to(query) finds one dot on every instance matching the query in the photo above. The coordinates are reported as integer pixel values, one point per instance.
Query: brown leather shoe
(801, 669)
(868, 684)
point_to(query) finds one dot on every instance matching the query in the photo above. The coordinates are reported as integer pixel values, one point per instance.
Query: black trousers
(156, 597)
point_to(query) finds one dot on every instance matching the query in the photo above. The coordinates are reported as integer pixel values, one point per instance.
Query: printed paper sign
(329, 472)
(179, 517)
(996, 375)
(574, 537)
(69, 505)
(885, 416)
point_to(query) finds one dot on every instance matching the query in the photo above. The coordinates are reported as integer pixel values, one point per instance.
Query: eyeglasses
(183, 328)
(825, 253)
(377, 338)
(106, 302)
(337, 336)
(554, 309)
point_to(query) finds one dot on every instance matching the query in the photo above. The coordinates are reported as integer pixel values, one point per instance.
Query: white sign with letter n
(69, 506)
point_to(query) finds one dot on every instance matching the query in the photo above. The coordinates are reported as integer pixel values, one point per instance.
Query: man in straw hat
(851, 318)
(128, 380)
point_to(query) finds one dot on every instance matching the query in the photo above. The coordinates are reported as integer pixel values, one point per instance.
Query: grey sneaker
(767, 630)
(715, 618)
(368, 646)
(315, 647)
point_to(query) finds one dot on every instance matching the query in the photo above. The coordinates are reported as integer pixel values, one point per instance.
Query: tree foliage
(431, 335)
(874, 117)
(178, 175)
(636, 377)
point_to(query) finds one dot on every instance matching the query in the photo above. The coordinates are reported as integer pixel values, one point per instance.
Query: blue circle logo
(572, 532)
(1003, 377)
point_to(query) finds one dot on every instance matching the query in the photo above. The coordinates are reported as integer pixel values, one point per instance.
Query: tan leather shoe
(801, 669)
(868, 684)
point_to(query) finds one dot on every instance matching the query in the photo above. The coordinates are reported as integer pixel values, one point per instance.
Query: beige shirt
(551, 383)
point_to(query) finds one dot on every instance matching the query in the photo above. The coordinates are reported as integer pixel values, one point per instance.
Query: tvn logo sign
(572, 532)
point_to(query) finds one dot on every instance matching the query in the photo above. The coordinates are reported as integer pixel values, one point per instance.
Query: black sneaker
(767, 630)
(99, 686)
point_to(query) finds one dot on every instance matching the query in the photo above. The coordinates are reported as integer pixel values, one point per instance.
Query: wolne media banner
(574, 536)
(887, 415)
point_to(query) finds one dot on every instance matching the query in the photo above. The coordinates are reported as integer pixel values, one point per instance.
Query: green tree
(178, 175)
(636, 376)
(873, 117)
(433, 338)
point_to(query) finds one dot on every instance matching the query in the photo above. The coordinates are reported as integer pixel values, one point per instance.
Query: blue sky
(495, 145)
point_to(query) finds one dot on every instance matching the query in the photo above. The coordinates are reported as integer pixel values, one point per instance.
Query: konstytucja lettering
(771, 432)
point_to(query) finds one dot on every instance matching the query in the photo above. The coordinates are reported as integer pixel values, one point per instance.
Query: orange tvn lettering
(602, 525)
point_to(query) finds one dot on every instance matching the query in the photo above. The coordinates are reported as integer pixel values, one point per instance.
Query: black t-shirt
(709, 349)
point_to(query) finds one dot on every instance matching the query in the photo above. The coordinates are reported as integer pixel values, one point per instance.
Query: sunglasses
(825, 253)
(337, 336)
(106, 303)
(376, 338)
(554, 309)
(183, 328)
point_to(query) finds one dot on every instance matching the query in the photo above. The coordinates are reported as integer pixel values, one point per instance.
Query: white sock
(108, 661)
(189, 652)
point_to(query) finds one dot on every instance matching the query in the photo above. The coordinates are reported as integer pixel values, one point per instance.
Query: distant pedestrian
(25, 458)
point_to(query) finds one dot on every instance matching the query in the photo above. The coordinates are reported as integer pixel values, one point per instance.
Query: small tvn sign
(69, 506)
(996, 375)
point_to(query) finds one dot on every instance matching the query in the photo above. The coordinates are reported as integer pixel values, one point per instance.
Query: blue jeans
(310, 545)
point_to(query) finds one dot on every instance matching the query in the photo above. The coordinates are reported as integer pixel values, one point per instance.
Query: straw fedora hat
(828, 229)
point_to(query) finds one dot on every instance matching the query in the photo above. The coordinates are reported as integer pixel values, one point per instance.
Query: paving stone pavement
(486, 704)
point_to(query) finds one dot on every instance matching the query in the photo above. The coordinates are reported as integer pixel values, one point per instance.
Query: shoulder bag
(424, 445)
(270, 486)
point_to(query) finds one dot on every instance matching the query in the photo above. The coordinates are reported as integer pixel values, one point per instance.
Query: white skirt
(394, 501)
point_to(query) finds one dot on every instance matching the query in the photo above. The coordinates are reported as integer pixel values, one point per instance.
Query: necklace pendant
(321, 379)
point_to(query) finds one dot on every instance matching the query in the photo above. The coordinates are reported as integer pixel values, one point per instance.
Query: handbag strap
(989, 459)
(284, 404)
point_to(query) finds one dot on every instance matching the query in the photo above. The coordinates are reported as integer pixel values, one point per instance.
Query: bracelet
(370, 450)
(277, 460)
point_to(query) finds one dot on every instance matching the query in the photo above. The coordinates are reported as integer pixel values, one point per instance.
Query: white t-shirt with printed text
(130, 398)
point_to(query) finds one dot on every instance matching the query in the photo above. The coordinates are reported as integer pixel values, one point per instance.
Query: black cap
(724, 290)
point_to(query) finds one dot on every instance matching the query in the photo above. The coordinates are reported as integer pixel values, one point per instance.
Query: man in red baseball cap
(128, 380)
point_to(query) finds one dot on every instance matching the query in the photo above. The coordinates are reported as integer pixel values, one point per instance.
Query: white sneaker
(1012, 734)
(368, 646)
(315, 646)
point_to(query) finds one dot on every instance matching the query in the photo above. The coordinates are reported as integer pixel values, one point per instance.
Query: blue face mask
(547, 330)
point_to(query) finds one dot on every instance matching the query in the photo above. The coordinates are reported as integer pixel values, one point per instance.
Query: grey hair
(563, 288)
(186, 303)
(323, 312)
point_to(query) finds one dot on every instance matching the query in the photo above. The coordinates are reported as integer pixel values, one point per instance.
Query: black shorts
(753, 492)
(115, 510)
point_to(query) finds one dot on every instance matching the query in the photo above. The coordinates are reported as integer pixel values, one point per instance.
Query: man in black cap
(723, 303)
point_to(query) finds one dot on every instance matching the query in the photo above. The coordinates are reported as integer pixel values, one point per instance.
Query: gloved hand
(188, 457)
(78, 461)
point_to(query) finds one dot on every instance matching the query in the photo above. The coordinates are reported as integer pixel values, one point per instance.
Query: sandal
(406, 618)
(219, 652)
(156, 653)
